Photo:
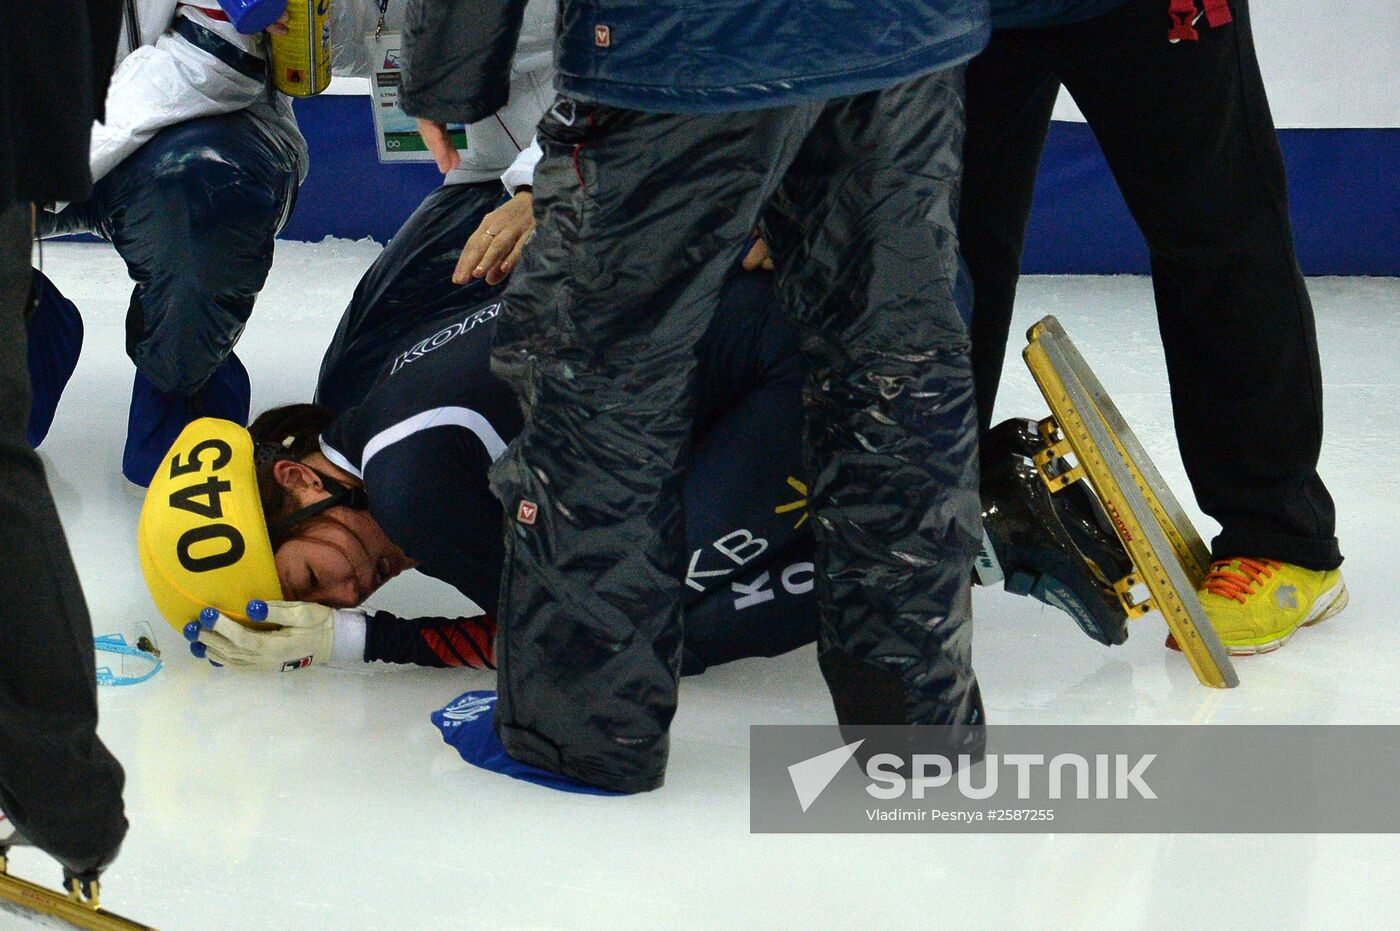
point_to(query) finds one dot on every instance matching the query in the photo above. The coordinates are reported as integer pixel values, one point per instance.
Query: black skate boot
(1057, 548)
(84, 868)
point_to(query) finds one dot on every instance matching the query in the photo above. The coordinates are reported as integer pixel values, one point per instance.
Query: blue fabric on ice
(156, 417)
(55, 331)
(467, 723)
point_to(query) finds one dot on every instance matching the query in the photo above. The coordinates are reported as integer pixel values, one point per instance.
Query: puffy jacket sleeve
(200, 66)
(457, 57)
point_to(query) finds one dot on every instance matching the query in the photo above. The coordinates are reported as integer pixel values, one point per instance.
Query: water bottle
(251, 17)
(301, 60)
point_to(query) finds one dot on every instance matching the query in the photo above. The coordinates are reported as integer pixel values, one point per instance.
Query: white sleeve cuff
(348, 649)
(522, 171)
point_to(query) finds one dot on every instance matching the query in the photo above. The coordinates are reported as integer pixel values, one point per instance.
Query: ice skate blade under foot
(79, 910)
(1168, 556)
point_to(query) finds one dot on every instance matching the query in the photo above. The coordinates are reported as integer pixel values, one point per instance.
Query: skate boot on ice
(1257, 605)
(80, 902)
(1058, 549)
(157, 417)
(1087, 441)
(55, 332)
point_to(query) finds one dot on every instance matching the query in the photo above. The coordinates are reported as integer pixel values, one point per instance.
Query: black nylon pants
(640, 215)
(1188, 135)
(194, 213)
(58, 783)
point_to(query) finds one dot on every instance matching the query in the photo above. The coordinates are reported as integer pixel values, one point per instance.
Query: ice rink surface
(326, 799)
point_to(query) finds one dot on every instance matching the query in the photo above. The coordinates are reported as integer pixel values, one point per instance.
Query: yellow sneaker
(1256, 605)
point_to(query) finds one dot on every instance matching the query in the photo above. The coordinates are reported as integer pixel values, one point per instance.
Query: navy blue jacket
(685, 56)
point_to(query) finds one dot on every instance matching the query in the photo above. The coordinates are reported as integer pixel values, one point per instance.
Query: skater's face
(338, 558)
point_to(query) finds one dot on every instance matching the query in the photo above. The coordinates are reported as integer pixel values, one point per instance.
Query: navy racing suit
(421, 419)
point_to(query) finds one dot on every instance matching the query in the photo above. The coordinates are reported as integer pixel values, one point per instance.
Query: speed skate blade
(71, 908)
(1190, 548)
(1157, 543)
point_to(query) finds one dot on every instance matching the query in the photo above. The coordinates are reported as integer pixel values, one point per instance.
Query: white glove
(306, 634)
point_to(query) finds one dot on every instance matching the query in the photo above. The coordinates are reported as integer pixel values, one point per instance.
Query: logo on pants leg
(527, 512)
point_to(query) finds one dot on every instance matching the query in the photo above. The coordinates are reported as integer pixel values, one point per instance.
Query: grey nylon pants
(640, 216)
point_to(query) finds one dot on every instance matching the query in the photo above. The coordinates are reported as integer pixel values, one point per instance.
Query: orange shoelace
(1229, 580)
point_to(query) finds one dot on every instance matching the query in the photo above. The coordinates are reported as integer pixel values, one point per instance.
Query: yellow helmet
(202, 537)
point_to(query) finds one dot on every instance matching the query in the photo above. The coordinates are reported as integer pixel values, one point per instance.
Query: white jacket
(498, 147)
(501, 146)
(188, 62)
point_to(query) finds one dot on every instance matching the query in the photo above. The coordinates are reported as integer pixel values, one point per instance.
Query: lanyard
(133, 25)
(383, 12)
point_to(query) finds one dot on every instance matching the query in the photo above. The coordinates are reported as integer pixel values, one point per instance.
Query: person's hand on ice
(306, 634)
(494, 249)
(436, 138)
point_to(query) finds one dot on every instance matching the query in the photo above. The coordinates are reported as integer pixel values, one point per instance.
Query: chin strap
(340, 493)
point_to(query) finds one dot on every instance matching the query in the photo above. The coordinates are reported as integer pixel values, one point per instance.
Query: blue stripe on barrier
(1344, 187)
(1344, 197)
(348, 192)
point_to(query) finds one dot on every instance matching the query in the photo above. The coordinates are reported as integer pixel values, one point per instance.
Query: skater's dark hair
(295, 429)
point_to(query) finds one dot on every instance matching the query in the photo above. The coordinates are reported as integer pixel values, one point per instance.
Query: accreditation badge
(395, 132)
